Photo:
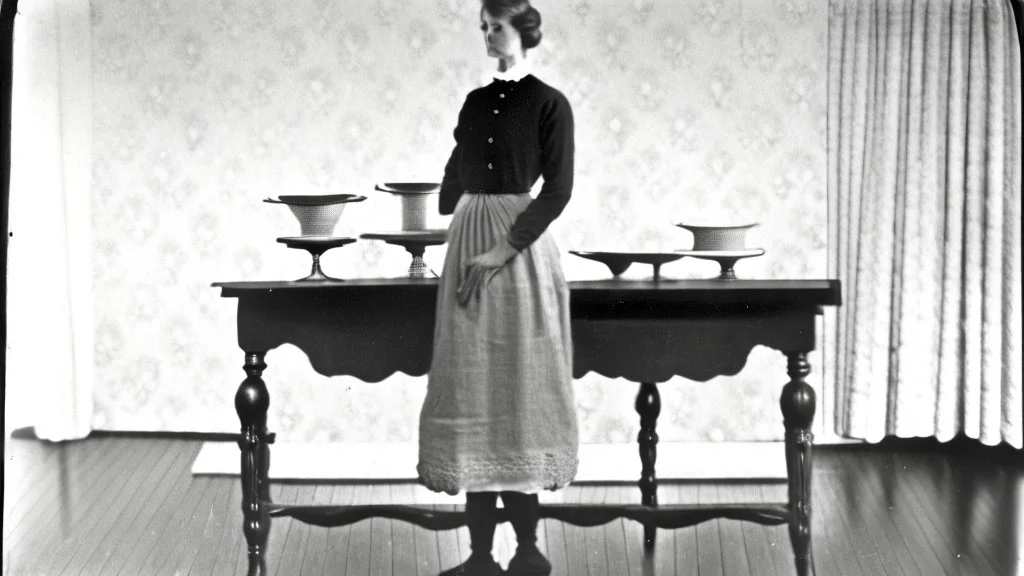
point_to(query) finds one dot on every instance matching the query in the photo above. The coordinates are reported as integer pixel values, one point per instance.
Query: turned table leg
(648, 406)
(798, 406)
(251, 403)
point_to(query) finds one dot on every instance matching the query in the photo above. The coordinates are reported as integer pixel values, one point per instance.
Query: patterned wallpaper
(685, 110)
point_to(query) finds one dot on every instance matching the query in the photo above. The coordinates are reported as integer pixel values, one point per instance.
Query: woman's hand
(495, 257)
(482, 268)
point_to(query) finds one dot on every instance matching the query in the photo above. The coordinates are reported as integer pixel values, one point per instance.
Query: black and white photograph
(512, 287)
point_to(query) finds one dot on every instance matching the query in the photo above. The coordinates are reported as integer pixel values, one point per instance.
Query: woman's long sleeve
(558, 146)
(451, 186)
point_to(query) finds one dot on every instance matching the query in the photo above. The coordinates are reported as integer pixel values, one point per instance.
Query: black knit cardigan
(509, 134)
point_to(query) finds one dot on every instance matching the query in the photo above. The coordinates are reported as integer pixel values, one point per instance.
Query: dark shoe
(528, 561)
(481, 522)
(524, 512)
(475, 566)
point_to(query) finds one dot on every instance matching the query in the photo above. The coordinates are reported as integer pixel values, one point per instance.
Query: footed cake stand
(415, 242)
(316, 246)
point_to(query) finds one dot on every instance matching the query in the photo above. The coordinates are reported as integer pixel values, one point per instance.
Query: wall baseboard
(28, 433)
(376, 462)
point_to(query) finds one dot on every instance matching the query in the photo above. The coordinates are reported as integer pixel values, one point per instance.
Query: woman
(499, 415)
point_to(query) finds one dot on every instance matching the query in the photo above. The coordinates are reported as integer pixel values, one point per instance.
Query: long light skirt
(500, 410)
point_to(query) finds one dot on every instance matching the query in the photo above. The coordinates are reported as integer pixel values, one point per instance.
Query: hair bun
(528, 25)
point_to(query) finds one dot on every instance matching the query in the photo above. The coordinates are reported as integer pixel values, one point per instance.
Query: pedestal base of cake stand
(726, 259)
(415, 243)
(316, 246)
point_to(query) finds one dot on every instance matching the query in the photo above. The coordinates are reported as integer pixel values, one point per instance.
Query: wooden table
(643, 331)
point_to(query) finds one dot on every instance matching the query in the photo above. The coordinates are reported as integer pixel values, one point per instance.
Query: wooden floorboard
(929, 545)
(664, 561)
(616, 545)
(709, 543)
(595, 537)
(967, 511)
(26, 467)
(280, 528)
(730, 533)
(892, 548)
(631, 533)
(901, 516)
(462, 540)
(403, 546)
(336, 553)
(110, 506)
(169, 538)
(987, 510)
(93, 494)
(311, 561)
(575, 539)
(554, 536)
(140, 513)
(686, 560)
(216, 526)
(138, 543)
(427, 560)
(851, 522)
(37, 508)
(26, 515)
(840, 557)
(232, 541)
(381, 543)
(755, 540)
(184, 543)
(937, 519)
(80, 488)
(293, 549)
(118, 498)
(778, 536)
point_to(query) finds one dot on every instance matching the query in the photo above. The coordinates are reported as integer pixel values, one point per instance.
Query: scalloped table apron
(644, 331)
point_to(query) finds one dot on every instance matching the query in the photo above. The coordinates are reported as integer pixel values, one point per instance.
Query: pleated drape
(924, 200)
(50, 328)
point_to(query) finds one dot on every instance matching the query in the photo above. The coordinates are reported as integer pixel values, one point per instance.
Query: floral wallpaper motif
(685, 110)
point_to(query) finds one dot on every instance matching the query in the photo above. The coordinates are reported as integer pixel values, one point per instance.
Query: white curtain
(50, 325)
(924, 200)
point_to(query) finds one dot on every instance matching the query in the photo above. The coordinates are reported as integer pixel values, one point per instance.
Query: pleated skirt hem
(494, 475)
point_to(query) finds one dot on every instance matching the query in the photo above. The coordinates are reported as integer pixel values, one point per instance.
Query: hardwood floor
(113, 505)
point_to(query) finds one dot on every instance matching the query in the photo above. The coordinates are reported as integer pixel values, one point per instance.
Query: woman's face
(501, 38)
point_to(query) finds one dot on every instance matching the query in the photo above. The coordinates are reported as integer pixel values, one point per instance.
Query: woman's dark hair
(523, 17)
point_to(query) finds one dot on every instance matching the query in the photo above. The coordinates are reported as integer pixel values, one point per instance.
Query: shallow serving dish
(619, 262)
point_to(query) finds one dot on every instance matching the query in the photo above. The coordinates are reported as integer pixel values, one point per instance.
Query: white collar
(515, 73)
